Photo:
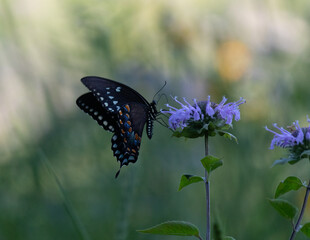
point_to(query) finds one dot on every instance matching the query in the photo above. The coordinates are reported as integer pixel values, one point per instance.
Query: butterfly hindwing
(126, 142)
(89, 104)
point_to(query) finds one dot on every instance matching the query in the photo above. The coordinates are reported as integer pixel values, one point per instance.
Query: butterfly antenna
(160, 90)
(164, 125)
(162, 122)
(163, 94)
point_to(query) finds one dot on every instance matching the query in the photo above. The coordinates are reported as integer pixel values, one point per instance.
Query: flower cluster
(180, 117)
(286, 139)
(296, 139)
(203, 112)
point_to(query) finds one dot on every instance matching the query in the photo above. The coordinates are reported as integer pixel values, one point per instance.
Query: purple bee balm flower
(295, 136)
(191, 113)
(285, 138)
(230, 110)
(179, 117)
(296, 139)
(195, 110)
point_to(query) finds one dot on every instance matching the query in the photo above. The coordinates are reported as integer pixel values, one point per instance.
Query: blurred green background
(259, 50)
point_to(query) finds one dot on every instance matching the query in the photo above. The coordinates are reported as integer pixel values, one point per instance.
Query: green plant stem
(295, 229)
(207, 183)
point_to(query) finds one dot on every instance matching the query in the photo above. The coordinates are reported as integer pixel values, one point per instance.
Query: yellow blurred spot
(233, 60)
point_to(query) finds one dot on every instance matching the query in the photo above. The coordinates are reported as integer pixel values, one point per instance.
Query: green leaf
(285, 208)
(211, 133)
(306, 229)
(220, 124)
(289, 184)
(210, 163)
(226, 126)
(217, 232)
(177, 228)
(211, 127)
(281, 161)
(187, 179)
(190, 132)
(206, 126)
(305, 154)
(228, 238)
(228, 135)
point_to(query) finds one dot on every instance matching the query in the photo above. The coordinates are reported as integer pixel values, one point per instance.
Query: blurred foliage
(255, 49)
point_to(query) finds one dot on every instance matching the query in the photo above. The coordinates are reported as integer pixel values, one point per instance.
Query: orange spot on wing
(136, 136)
(125, 140)
(129, 123)
(120, 112)
(127, 107)
(130, 130)
(128, 149)
(134, 151)
(120, 121)
(127, 115)
(122, 130)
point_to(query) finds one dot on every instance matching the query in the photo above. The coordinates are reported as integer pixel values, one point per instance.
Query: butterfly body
(120, 110)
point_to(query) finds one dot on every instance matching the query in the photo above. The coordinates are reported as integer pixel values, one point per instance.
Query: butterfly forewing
(89, 104)
(112, 95)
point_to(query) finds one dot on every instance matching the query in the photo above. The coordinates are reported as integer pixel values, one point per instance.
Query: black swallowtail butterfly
(120, 110)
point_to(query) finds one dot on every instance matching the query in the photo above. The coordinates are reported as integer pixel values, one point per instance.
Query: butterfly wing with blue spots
(128, 112)
(112, 95)
(89, 104)
(131, 119)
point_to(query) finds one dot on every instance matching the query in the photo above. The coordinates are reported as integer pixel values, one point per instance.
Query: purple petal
(230, 110)
(209, 110)
(300, 135)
